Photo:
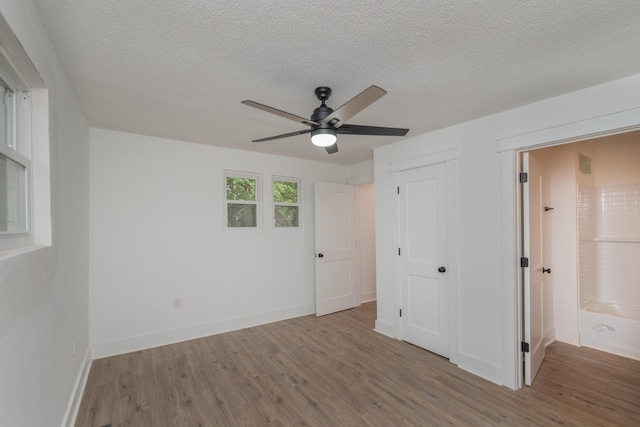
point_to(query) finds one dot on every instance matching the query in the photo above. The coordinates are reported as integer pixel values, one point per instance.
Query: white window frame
(16, 147)
(257, 202)
(299, 204)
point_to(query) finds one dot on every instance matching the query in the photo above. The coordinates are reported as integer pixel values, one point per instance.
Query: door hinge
(524, 177)
(400, 312)
(524, 347)
(398, 189)
(524, 262)
(398, 251)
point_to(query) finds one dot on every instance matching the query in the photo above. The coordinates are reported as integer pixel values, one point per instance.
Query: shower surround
(609, 267)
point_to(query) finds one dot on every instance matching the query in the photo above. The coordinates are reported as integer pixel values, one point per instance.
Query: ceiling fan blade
(354, 106)
(279, 113)
(332, 148)
(371, 130)
(284, 135)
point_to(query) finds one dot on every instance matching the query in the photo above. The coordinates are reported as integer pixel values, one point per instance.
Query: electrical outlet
(177, 303)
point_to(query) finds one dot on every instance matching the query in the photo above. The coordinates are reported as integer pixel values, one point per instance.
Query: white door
(532, 207)
(423, 257)
(336, 258)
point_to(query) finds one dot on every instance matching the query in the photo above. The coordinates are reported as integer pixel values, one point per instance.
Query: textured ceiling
(179, 68)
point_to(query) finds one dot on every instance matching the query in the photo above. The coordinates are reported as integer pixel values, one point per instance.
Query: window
(287, 193)
(242, 201)
(15, 125)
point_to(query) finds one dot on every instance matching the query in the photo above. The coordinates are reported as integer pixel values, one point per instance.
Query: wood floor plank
(336, 371)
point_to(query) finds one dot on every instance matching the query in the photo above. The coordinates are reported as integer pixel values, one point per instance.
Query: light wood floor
(335, 371)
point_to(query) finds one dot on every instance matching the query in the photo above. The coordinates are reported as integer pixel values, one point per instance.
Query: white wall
(44, 290)
(487, 329)
(157, 234)
(367, 241)
(618, 160)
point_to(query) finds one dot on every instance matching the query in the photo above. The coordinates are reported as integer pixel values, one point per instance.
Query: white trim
(482, 368)
(368, 179)
(298, 204)
(23, 123)
(511, 284)
(367, 297)
(595, 127)
(384, 328)
(73, 405)
(396, 264)
(604, 125)
(40, 168)
(14, 155)
(171, 336)
(452, 245)
(429, 159)
(17, 147)
(568, 336)
(257, 202)
(18, 56)
(9, 72)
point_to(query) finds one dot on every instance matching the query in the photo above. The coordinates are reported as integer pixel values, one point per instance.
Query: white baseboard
(549, 337)
(171, 336)
(368, 297)
(488, 370)
(75, 399)
(568, 336)
(384, 328)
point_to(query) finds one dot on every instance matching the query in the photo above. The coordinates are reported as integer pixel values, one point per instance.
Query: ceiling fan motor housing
(320, 113)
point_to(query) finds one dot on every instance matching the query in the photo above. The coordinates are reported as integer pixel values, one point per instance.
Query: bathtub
(611, 327)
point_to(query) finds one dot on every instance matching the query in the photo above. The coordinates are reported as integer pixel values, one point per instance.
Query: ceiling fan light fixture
(323, 137)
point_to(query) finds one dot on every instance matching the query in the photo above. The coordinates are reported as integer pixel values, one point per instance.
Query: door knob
(546, 270)
(441, 270)
(320, 255)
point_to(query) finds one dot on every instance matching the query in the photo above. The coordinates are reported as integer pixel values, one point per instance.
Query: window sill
(11, 253)
(617, 239)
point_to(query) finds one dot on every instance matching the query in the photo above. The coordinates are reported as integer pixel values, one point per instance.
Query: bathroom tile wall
(618, 244)
(587, 259)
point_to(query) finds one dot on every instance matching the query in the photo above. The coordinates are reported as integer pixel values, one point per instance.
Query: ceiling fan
(325, 123)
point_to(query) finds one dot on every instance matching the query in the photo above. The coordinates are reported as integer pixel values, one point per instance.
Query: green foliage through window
(241, 188)
(286, 203)
(242, 200)
(285, 192)
(241, 215)
(287, 216)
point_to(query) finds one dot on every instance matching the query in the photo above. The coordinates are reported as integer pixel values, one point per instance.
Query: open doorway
(365, 205)
(591, 244)
(345, 246)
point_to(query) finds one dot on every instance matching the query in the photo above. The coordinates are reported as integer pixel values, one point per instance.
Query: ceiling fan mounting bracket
(323, 93)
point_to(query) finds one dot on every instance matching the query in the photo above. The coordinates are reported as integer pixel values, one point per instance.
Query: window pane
(6, 115)
(13, 205)
(242, 215)
(241, 188)
(286, 216)
(285, 192)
